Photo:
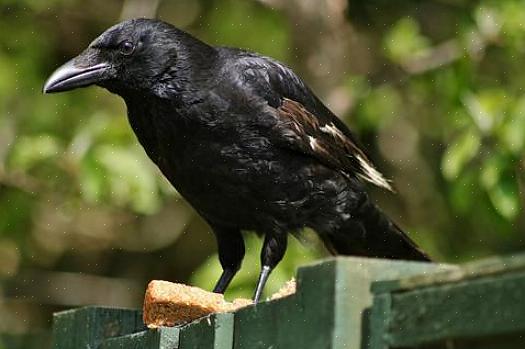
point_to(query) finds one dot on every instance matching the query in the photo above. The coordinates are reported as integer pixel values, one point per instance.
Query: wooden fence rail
(340, 303)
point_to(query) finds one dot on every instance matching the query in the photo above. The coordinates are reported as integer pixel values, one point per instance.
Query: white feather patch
(331, 129)
(372, 175)
(313, 142)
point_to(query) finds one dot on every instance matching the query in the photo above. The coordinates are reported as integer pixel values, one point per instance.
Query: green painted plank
(161, 338)
(509, 341)
(491, 305)
(35, 340)
(478, 269)
(169, 338)
(149, 339)
(210, 332)
(87, 327)
(223, 331)
(379, 316)
(198, 334)
(513, 341)
(330, 310)
(354, 298)
(270, 325)
(287, 322)
(202, 332)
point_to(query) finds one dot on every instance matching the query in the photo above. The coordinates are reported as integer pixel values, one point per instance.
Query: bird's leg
(231, 253)
(272, 252)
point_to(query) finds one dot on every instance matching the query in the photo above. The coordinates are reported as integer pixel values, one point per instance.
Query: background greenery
(433, 88)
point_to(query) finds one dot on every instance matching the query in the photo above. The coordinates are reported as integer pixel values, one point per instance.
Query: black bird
(244, 140)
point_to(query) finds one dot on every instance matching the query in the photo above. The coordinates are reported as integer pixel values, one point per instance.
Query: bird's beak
(74, 74)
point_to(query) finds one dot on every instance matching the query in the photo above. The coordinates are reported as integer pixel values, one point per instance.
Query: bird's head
(137, 54)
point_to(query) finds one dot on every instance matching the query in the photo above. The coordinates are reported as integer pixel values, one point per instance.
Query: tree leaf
(459, 153)
(404, 41)
(505, 197)
(30, 150)
(512, 132)
(131, 180)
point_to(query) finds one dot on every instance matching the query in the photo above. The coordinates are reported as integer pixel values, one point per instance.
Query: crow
(244, 140)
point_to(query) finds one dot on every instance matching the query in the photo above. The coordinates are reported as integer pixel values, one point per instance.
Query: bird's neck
(189, 73)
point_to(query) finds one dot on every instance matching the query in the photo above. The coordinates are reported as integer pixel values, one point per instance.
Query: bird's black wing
(303, 122)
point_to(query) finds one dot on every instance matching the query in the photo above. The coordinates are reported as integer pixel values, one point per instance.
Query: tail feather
(371, 233)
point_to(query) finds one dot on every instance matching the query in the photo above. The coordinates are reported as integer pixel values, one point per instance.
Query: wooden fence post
(480, 305)
(330, 309)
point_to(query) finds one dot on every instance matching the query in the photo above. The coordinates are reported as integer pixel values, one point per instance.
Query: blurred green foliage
(433, 88)
(483, 95)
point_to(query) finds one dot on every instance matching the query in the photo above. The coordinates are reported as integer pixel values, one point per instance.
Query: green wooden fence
(340, 303)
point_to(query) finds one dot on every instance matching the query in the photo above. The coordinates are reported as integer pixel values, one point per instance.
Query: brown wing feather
(323, 140)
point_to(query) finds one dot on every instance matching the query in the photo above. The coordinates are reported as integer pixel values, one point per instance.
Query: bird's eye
(126, 48)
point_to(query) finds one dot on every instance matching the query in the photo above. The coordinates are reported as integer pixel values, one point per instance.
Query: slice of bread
(172, 304)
